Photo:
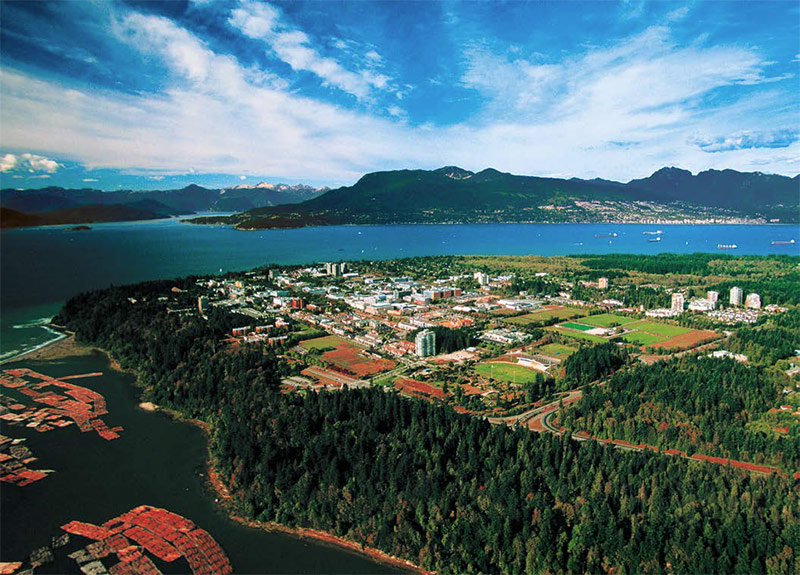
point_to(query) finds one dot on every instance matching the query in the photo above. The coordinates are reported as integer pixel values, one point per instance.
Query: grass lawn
(323, 342)
(581, 335)
(547, 314)
(642, 338)
(558, 350)
(605, 319)
(506, 372)
(660, 328)
(578, 326)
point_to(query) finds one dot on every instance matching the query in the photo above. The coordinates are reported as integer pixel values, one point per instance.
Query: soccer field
(506, 372)
(659, 328)
(642, 338)
(578, 326)
(606, 319)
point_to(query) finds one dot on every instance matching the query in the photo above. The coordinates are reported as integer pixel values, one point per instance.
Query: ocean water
(42, 267)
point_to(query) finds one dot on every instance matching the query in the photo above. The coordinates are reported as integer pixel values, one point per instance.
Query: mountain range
(64, 206)
(448, 194)
(453, 194)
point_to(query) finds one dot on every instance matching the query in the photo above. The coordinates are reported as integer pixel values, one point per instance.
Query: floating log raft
(67, 403)
(146, 529)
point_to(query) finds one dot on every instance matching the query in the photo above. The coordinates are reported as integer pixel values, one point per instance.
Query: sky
(157, 95)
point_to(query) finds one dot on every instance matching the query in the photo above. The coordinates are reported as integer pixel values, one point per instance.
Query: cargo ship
(654, 239)
(779, 243)
(727, 246)
(655, 233)
(614, 235)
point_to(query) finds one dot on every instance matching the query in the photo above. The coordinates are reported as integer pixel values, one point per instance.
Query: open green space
(323, 342)
(578, 326)
(580, 335)
(545, 314)
(606, 319)
(558, 350)
(659, 328)
(506, 372)
(642, 338)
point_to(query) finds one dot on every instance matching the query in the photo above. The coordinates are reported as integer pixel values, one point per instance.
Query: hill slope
(453, 194)
(162, 203)
(77, 215)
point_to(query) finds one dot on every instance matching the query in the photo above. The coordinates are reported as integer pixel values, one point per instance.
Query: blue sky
(158, 95)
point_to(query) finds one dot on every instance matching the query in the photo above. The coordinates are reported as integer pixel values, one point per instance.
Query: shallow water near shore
(157, 461)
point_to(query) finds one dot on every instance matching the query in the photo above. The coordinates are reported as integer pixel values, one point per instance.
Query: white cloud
(557, 118)
(263, 22)
(30, 163)
(8, 162)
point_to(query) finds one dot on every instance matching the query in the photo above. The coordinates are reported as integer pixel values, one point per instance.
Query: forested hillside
(447, 491)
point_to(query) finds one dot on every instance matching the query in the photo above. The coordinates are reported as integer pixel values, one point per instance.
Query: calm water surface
(156, 461)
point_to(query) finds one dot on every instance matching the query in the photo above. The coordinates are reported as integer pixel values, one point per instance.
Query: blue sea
(42, 267)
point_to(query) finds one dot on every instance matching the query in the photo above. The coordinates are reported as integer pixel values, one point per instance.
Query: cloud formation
(619, 108)
(263, 22)
(30, 163)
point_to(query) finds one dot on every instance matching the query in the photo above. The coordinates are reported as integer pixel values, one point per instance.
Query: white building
(602, 283)
(736, 296)
(752, 301)
(713, 297)
(425, 343)
(482, 278)
(677, 302)
(700, 305)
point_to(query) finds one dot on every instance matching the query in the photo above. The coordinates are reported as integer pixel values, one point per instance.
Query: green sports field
(506, 372)
(642, 338)
(659, 328)
(606, 319)
(323, 342)
(580, 335)
(547, 314)
(578, 326)
(556, 350)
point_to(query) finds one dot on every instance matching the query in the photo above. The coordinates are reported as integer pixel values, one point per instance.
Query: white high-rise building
(736, 296)
(482, 278)
(753, 301)
(425, 343)
(713, 297)
(677, 302)
(602, 283)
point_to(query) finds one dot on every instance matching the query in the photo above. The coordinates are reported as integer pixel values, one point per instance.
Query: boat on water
(658, 239)
(781, 243)
(727, 246)
(613, 235)
(655, 233)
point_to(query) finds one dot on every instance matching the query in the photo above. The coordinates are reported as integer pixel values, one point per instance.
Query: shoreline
(66, 346)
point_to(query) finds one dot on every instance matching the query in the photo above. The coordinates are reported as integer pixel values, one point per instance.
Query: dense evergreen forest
(698, 404)
(448, 491)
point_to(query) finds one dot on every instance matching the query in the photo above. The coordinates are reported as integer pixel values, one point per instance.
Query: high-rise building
(334, 269)
(736, 296)
(482, 278)
(713, 297)
(677, 302)
(602, 283)
(753, 301)
(425, 343)
(202, 304)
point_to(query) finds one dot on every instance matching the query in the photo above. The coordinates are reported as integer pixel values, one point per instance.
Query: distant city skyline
(147, 95)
